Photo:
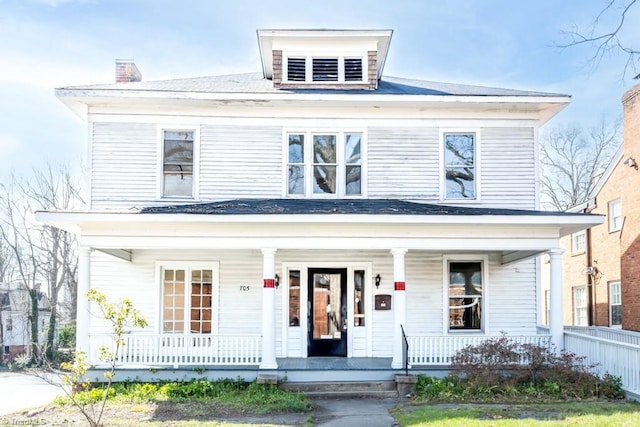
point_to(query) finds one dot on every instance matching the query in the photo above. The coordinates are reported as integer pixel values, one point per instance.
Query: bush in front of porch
(503, 369)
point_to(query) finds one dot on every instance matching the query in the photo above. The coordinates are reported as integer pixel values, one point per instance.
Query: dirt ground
(162, 413)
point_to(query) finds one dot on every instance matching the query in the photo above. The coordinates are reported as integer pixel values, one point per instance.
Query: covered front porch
(403, 284)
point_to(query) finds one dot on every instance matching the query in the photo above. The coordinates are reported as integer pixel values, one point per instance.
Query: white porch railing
(180, 349)
(617, 335)
(438, 349)
(614, 357)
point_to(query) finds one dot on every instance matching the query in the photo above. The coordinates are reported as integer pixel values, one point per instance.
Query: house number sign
(245, 288)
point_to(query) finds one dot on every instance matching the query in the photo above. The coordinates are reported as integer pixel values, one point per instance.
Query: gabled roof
(255, 83)
(338, 207)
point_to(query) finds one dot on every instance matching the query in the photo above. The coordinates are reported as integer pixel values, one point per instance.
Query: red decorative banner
(269, 283)
(399, 286)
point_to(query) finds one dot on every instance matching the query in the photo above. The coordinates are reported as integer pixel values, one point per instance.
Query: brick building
(601, 265)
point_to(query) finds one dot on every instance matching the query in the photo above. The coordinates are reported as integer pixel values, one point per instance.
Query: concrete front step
(343, 388)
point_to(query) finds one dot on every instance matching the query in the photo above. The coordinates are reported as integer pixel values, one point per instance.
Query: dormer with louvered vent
(324, 59)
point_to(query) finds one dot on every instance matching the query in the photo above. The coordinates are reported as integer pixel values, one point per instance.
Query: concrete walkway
(366, 411)
(20, 392)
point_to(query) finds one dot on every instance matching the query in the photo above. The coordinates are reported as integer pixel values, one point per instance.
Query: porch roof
(341, 207)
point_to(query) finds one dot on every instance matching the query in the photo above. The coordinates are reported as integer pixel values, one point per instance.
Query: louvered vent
(353, 69)
(325, 69)
(296, 69)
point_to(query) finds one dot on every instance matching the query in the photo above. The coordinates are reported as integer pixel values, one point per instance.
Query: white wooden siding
(247, 161)
(511, 298)
(124, 164)
(510, 302)
(240, 161)
(403, 163)
(507, 167)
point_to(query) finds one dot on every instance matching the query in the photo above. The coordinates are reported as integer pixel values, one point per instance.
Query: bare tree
(16, 232)
(606, 40)
(40, 253)
(573, 159)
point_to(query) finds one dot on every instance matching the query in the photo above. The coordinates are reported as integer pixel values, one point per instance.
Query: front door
(327, 314)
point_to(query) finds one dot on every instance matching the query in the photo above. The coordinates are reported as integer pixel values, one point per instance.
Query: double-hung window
(578, 242)
(460, 168)
(465, 294)
(188, 300)
(615, 304)
(324, 164)
(580, 306)
(615, 215)
(178, 163)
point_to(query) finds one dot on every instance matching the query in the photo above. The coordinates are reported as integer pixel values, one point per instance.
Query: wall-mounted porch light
(377, 281)
(277, 281)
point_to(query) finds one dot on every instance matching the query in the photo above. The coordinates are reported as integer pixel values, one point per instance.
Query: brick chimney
(126, 71)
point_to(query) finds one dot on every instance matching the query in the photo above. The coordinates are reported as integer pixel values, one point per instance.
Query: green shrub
(500, 368)
(67, 336)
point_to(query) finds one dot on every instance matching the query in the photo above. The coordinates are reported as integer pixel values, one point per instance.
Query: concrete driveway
(20, 391)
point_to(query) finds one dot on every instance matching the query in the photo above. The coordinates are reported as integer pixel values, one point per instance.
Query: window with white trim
(465, 295)
(188, 300)
(615, 215)
(177, 163)
(615, 304)
(460, 166)
(580, 306)
(579, 242)
(325, 69)
(324, 164)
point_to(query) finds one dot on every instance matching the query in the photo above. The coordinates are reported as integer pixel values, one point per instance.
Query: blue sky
(46, 44)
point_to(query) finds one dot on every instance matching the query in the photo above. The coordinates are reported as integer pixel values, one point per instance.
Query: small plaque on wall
(383, 302)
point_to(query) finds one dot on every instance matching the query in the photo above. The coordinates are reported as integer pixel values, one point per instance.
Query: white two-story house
(314, 212)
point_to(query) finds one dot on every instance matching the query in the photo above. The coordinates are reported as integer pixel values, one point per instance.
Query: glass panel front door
(327, 312)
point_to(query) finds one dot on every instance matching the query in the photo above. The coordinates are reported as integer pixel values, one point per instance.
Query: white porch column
(399, 306)
(268, 309)
(556, 326)
(82, 308)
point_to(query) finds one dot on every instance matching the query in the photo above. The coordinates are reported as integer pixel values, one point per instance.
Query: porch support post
(268, 309)
(399, 306)
(82, 307)
(556, 326)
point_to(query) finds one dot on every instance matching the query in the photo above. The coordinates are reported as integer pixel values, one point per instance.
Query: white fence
(179, 349)
(614, 357)
(617, 335)
(438, 349)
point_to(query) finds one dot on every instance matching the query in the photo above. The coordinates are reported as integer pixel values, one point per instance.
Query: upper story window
(177, 163)
(332, 69)
(579, 242)
(324, 164)
(615, 215)
(460, 166)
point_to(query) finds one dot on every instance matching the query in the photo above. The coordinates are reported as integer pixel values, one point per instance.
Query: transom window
(332, 69)
(460, 165)
(615, 304)
(177, 163)
(465, 295)
(187, 300)
(615, 215)
(580, 306)
(324, 164)
(579, 242)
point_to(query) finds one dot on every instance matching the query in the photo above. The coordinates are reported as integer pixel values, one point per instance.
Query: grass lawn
(583, 414)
